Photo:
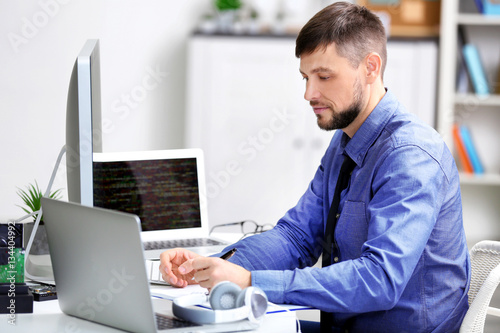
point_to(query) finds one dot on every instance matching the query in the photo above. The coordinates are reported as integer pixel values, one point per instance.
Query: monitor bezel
(83, 123)
(153, 235)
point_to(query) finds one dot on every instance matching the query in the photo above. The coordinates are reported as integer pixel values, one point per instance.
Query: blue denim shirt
(403, 259)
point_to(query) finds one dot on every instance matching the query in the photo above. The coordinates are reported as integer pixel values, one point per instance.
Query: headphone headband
(251, 305)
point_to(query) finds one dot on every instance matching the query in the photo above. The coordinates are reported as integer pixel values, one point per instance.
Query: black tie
(331, 248)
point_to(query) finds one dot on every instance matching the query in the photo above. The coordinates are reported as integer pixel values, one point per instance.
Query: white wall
(38, 45)
(39, 42)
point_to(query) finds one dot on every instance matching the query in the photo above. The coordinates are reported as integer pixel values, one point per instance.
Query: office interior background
(240, 98)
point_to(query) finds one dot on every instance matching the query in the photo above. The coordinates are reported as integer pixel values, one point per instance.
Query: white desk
(48, 318)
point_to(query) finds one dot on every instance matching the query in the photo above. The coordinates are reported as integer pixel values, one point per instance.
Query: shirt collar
(357, 146)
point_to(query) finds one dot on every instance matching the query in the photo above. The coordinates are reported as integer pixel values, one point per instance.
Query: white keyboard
(153, 270)
(184, 243)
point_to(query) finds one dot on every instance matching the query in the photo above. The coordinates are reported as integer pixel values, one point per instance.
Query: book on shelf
(488, 7)
(475, 69)
(479, 6)
(463, 158)
(463, 82)
(477, 167)
(497, 82)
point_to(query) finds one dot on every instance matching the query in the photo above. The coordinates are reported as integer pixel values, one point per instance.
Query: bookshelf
(487, 179)
(480, 113)
(477, 19)
(465, 99)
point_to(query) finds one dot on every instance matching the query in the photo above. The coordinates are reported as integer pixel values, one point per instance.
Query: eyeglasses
(248, 227)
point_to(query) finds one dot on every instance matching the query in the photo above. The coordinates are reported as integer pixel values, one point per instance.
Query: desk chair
(485, 263)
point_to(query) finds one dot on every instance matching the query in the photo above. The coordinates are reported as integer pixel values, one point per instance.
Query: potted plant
(227, 12)
(31, 198)
(223, 5)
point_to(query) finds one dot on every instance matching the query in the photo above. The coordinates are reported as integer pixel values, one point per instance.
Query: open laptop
(166, 189)
(98, 261)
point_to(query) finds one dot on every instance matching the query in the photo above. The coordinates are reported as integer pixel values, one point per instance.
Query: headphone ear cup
(251, 295)
(225, 295)
(256, 300)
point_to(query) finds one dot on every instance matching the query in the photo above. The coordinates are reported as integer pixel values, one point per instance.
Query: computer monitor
(83, 138)
(83, 123)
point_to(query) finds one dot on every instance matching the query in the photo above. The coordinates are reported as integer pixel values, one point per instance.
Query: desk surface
(48, 318)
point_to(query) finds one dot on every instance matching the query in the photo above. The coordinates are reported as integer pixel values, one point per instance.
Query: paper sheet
(170, 293)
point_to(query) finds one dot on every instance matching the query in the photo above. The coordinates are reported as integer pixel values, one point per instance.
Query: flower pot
(225, 20)
(40, 244)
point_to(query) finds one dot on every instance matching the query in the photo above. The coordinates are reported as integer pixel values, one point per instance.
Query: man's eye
(305, 78)
(324, 77)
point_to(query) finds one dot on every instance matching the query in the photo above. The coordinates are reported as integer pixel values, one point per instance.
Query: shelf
(478, 19)
(480, 193)
(262, 34)
(480, 100)
(484, 179)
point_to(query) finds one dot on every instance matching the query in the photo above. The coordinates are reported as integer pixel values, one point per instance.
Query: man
(398, 260)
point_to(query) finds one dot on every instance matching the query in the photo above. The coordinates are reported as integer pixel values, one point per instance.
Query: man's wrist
(271, 282)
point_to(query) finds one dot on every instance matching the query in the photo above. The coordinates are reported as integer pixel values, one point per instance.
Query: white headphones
(229, 303)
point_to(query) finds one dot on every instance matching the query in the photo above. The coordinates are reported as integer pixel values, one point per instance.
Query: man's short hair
(355, 30)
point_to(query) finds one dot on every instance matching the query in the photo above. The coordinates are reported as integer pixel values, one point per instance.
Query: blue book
(488, 7)
(475, 69)
(479, 5)
(471, 150)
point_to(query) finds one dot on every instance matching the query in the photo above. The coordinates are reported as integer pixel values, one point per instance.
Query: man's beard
(344, 118)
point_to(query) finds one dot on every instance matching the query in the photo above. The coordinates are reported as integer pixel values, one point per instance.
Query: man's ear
(373, 64)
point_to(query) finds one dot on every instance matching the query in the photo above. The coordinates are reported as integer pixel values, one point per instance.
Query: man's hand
(170, 261)
(181, 267)
(208, 271)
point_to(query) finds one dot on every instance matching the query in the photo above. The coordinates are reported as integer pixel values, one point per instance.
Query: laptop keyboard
(153, 270)
(170, 244)
(165, 322)
(153, 265)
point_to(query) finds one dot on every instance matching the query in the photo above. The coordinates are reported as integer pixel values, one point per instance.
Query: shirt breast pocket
(352, 230)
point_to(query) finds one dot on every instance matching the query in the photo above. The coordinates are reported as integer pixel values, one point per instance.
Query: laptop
(98, 261)
(166, 189)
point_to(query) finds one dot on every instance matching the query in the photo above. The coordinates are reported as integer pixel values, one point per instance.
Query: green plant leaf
(31, 198)
(227, 4)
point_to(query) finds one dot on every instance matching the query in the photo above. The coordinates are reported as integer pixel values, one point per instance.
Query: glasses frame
(257, 229)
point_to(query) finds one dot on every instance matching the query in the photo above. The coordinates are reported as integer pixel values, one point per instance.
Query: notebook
(99, 270)
(166, 189)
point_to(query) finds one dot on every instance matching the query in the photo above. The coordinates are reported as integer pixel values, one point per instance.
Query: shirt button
(336, 259)
(337, 216)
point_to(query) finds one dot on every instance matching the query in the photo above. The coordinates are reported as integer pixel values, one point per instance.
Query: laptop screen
(164, 193)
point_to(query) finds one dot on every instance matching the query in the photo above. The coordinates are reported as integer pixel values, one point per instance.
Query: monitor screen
(163, 193)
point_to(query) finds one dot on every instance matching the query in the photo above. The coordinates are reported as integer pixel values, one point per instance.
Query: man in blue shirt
(399, 259)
